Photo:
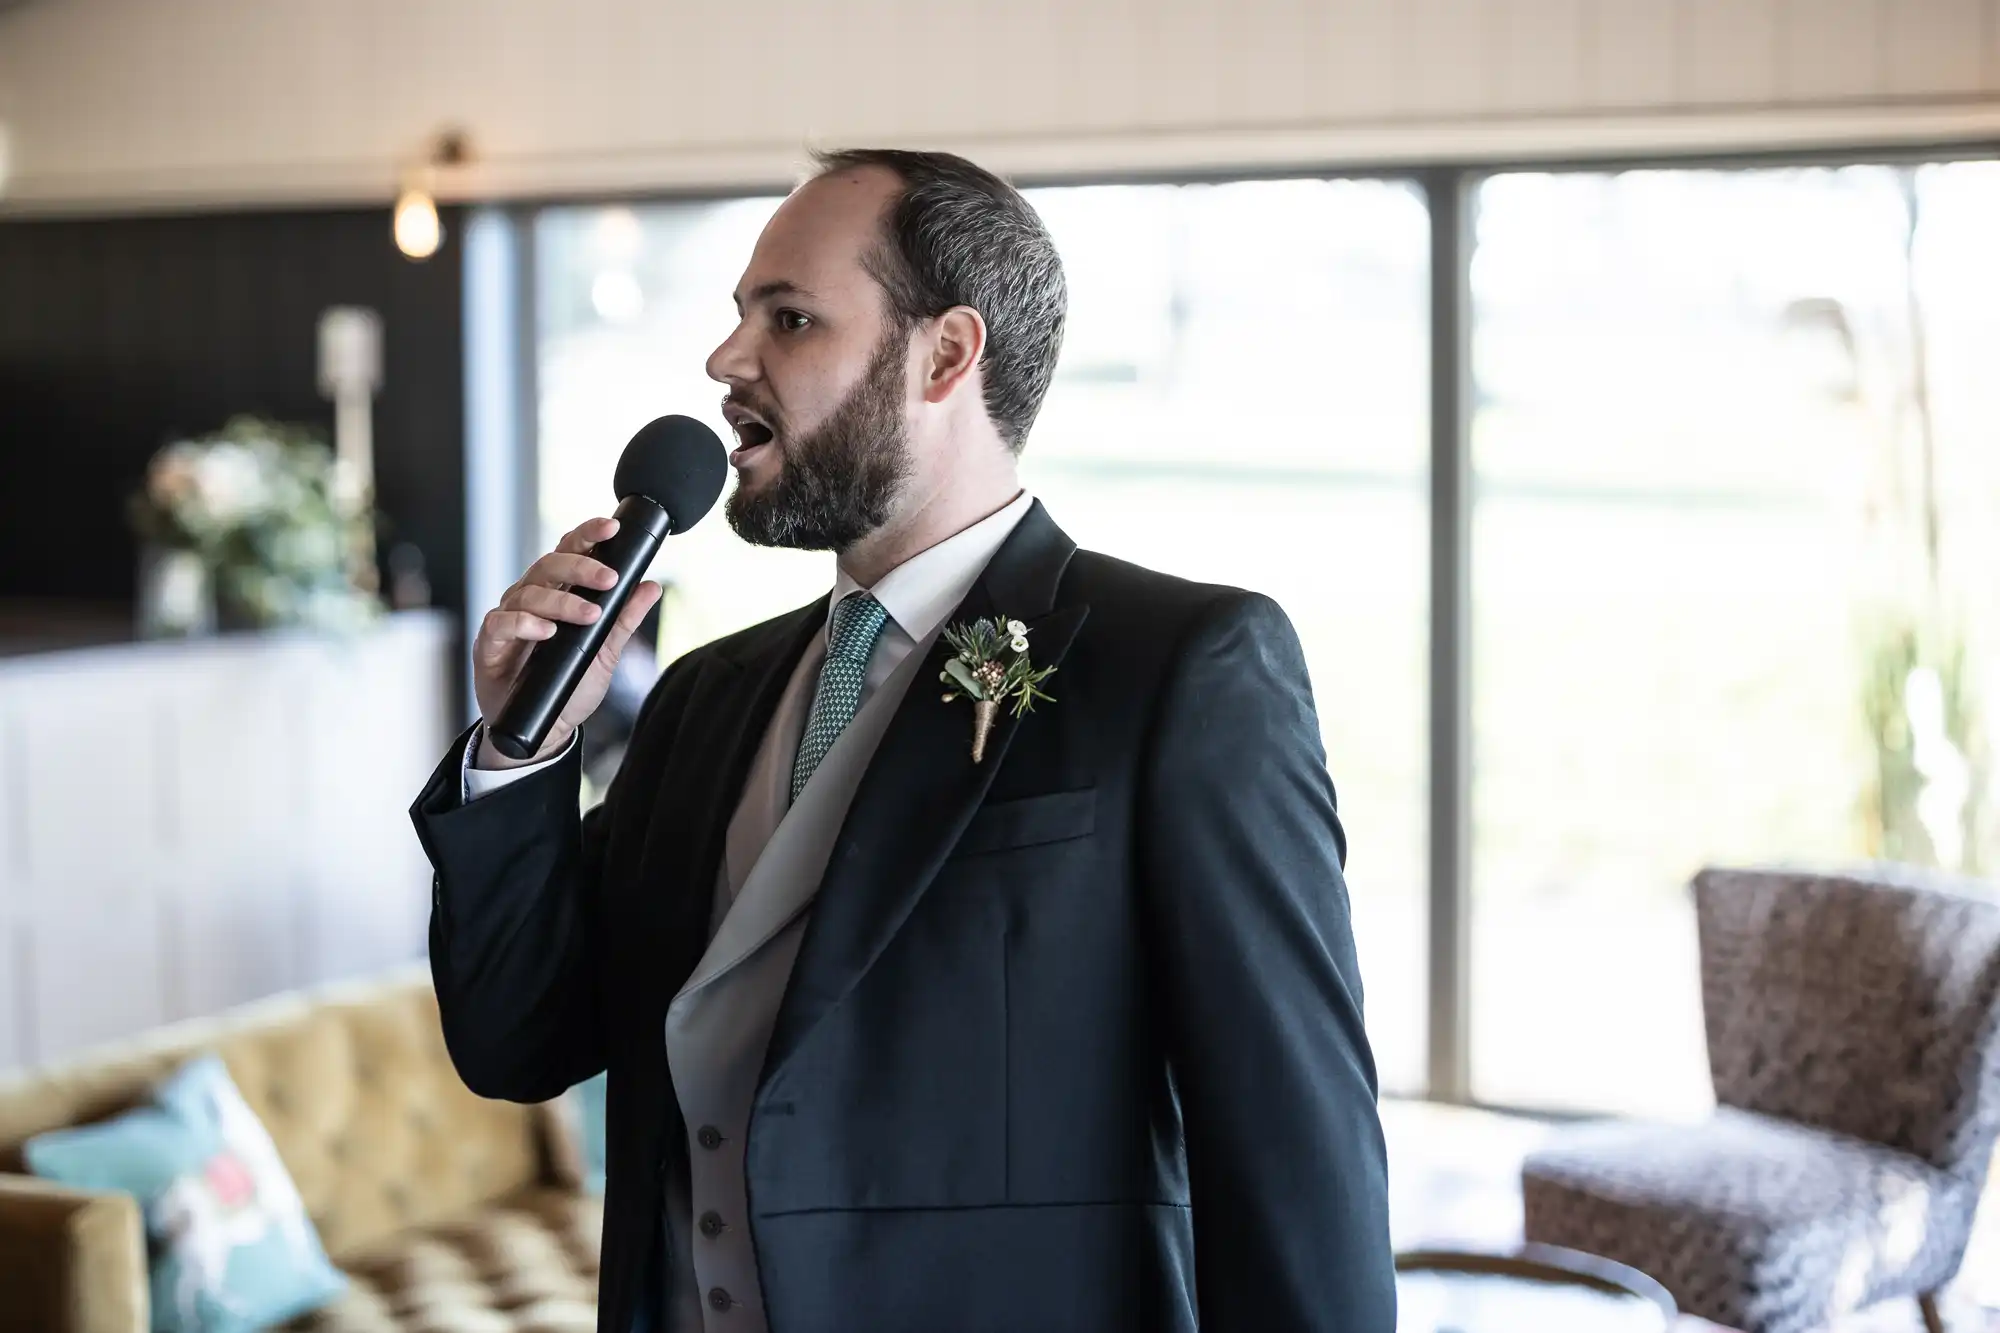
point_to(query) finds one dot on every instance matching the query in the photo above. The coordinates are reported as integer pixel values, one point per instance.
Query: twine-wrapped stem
(984, 711)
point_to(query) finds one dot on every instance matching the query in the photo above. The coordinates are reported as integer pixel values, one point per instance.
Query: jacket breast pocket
(1029, 821)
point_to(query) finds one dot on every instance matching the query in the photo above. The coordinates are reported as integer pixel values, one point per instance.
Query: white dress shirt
(918, 594)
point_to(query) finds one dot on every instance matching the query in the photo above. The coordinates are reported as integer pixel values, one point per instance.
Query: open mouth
(750, 434)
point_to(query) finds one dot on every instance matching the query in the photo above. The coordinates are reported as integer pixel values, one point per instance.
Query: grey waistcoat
(719, 1024)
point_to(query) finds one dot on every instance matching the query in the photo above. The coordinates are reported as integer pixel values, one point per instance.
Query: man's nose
(732, 362)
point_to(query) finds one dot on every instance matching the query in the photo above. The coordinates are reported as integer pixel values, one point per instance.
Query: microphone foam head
(676, 462)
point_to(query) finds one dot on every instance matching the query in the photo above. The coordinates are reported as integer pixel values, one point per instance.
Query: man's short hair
(959, 235)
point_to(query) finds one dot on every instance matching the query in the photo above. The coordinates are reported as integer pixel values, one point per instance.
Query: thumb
(642, 600)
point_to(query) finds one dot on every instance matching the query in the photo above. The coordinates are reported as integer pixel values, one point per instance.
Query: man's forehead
(753, 290)
(817, 240)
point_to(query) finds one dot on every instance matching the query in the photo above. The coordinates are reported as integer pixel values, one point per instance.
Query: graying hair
(960, 235)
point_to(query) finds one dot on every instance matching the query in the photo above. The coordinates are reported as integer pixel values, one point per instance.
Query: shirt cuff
(478, 782)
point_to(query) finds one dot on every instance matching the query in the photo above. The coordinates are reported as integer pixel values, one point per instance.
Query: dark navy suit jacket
(1074, 1038)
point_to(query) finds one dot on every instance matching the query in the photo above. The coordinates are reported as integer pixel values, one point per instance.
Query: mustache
(766, 412)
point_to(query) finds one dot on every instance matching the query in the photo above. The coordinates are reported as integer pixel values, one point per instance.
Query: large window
(1735, 537)
(1706, 400)
(630, 302)
(1241, 399)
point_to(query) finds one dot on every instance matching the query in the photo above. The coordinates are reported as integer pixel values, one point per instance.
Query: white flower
(1020, 644)
(1019, 631)
(306, 548)
(233, 484)
(174, 474)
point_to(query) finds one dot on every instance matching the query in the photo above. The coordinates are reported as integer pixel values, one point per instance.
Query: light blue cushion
(232, 1248)
(583, 1111)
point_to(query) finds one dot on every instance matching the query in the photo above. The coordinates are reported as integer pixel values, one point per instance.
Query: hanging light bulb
(417, 229)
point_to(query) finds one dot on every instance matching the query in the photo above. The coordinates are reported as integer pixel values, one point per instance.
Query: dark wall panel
(119, 334)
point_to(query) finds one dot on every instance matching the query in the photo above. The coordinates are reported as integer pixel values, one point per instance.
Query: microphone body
(557, 663)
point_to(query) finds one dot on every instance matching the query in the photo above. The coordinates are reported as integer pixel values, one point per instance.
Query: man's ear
(958, 340)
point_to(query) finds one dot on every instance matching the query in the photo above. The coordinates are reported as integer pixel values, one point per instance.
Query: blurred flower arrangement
(262, 507)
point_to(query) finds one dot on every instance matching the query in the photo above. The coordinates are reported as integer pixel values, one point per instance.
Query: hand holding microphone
(543, 658)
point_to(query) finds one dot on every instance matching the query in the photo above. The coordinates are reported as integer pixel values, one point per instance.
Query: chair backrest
(355, 1086)
(1864, 1002)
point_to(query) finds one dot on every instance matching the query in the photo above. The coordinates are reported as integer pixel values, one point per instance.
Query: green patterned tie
(857, 622)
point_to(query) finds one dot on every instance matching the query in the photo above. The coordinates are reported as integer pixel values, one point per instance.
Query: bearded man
(1057, 1031)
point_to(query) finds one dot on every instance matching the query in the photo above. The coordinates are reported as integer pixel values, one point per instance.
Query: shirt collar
(919, 593)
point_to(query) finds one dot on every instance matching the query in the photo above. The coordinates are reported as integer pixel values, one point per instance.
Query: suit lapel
(921, 789)
(784, 876)
(725, 722)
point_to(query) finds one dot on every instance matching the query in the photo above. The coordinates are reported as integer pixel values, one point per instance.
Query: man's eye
(791, 321)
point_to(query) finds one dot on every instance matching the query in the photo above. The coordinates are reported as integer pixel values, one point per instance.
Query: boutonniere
(990, 666)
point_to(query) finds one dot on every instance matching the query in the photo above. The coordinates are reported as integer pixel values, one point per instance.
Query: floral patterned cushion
(231, 1247)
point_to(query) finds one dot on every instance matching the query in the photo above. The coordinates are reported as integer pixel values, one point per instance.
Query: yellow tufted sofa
(451, 1214)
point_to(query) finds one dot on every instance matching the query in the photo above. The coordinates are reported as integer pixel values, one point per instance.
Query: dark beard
(837, 484)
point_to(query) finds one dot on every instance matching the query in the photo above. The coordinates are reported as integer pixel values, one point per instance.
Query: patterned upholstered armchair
(1854, 1041)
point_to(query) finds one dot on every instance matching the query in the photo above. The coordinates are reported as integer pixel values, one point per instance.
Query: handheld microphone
(667, 478)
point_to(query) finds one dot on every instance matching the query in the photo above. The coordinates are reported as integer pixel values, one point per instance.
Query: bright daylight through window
(1732, 502)
(1241, 399)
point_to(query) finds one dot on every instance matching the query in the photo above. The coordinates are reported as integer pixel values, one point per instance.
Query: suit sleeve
(515, 907)
(1241, 853)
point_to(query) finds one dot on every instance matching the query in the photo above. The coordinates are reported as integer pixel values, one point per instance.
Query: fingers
(560, 569)
(642, 600)
(586, 535)
(531, 613)
(501, 631)
(550, 604)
